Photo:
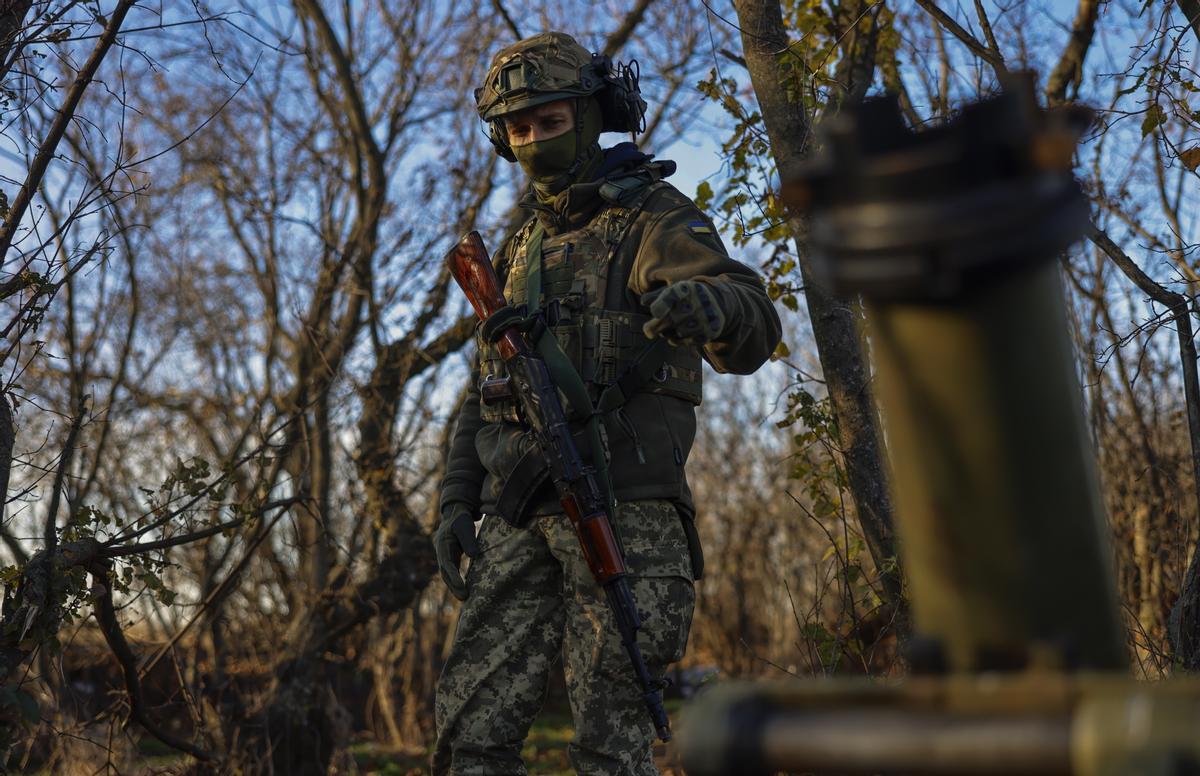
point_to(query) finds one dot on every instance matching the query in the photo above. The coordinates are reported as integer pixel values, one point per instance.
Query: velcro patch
(700, 227)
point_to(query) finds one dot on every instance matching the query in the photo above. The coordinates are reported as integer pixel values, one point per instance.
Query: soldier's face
(541, 122)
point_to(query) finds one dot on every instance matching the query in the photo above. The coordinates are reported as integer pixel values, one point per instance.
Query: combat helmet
(552, 66)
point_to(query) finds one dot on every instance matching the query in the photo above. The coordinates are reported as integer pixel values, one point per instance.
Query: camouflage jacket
(604, 247)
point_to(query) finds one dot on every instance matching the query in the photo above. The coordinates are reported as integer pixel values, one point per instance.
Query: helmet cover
(546, 67)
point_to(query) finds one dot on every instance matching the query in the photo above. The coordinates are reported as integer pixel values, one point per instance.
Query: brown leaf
(1190, 158)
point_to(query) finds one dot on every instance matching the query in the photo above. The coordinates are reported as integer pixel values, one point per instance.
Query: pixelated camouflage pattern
(532, 602)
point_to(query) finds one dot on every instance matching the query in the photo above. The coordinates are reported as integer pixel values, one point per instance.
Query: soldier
(612, 257)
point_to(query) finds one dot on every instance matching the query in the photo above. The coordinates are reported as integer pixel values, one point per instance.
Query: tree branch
(735, 58)
(50, 532)
(1191, 10)
(195, 536)
(46, 151)
(12, 20)
(620, 36)
(955, 29)
(508, 20)
(988, 35)
(8, 434)
(356, 110)
(1069, 69)
(106, 617)
(1179, 306)
(1132, 271)
(29, 610)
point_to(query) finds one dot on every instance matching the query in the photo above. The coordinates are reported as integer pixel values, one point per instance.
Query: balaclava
(571, 157)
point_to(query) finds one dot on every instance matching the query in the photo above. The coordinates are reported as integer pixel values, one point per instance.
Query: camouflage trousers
(533, 601)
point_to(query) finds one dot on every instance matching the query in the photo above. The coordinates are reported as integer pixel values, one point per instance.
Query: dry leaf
(1190, 158)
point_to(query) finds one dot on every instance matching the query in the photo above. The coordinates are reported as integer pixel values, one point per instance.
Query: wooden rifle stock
(473, 271)
(575, 481)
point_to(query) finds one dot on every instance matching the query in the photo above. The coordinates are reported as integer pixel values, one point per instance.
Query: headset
(620, 96)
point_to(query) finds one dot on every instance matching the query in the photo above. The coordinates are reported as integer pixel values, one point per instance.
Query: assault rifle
(574, 479)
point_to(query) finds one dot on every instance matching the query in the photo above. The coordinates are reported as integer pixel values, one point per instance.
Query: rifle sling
(570, 384)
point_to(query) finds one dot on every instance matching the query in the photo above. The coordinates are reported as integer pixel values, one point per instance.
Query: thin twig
(46, 151)
(955, 29)
(508, 20)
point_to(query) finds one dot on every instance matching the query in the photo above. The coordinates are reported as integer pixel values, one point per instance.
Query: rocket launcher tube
(951, 236)
(574, 480)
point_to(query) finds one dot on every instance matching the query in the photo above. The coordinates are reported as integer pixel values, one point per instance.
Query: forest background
(231, 350)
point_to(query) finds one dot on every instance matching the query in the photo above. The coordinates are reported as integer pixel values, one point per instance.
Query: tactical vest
(583, 308)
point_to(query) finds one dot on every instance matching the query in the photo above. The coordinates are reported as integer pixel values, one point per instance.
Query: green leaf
(704, 195)
(1155, 117)
(1136, 84)
(815, 631)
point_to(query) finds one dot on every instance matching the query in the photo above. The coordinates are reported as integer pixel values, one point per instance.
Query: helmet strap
(498, 135)
(580, 152)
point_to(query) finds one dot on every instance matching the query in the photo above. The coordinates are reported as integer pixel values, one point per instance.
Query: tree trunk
(1184, 623)
(8, 435)
(833, 320)
(12, 20)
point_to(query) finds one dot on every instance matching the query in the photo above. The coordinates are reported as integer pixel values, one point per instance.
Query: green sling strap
(565, 376)
(533, 268)
(568, 380)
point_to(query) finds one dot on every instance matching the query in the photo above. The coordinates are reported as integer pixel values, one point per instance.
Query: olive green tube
(998, 509)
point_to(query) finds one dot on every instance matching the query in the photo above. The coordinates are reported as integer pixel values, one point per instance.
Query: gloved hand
(454, 536)
(687, 312)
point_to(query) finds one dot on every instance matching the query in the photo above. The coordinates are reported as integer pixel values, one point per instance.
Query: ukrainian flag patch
(700, 227)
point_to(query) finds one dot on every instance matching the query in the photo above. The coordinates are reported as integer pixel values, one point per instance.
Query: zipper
(628, 427)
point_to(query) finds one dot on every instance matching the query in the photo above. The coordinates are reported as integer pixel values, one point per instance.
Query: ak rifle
(574, 479)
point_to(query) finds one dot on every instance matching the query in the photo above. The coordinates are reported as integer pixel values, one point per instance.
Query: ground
(545, 751)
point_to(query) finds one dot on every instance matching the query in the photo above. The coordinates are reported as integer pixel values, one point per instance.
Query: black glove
(454, 536)
(686, 313)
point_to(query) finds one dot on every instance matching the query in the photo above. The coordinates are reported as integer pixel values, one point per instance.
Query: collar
(575, 206)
